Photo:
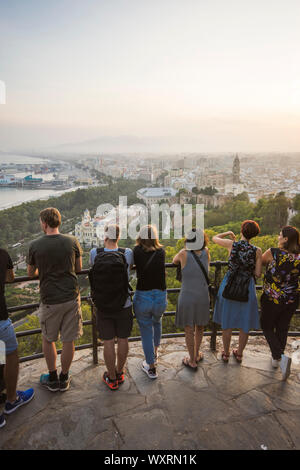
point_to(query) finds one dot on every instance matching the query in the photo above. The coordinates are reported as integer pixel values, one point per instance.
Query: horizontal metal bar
(86, 271)
(20, 308)
(20, 334)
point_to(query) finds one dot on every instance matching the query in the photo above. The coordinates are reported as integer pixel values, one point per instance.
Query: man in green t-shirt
(56, 259)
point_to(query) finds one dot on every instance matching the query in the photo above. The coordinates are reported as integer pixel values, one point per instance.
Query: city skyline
(166, 76)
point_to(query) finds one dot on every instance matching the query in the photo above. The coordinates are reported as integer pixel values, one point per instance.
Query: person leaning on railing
(150, 298)
(280, 297)
(56, 258)
(110, 291)
(15, 398)
(245, 260)
(192, 312)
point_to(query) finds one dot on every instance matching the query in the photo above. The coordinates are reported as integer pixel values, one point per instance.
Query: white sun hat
(194, 240)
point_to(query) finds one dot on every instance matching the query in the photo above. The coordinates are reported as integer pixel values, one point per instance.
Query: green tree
(296, 202)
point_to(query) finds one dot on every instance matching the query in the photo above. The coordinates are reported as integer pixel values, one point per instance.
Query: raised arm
(221, 240)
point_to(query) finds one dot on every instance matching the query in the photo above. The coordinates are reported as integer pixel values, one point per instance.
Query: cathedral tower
(236, 170)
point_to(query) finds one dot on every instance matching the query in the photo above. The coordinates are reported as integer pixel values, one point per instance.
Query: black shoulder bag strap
(148, 262)
(201, 266)
(123, 251)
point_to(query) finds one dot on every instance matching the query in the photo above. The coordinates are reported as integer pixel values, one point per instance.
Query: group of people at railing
(56, 258)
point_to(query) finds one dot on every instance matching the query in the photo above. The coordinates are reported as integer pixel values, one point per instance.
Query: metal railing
(95, 342)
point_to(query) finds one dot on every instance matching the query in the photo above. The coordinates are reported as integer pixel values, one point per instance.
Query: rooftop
(157, 192)
(221, 406)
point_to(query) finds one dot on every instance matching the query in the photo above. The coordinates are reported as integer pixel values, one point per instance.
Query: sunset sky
(202, 75)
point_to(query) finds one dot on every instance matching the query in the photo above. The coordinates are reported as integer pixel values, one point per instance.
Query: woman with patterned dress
(233, 313)
(280, 297)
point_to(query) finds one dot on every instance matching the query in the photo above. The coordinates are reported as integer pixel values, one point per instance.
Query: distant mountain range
(124, 144)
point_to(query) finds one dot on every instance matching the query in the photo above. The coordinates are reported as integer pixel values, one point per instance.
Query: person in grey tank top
(193, 303)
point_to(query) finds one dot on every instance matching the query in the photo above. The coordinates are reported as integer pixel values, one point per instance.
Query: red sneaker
(112, 384)
(120, 377)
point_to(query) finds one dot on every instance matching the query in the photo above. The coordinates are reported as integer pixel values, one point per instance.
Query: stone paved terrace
(221, 406)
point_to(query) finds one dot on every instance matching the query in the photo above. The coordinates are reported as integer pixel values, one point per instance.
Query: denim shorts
(150, 302)
(8, 335)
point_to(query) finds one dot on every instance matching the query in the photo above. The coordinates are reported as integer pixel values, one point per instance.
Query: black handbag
(237, 287)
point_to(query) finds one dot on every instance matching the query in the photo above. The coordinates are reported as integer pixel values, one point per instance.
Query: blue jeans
(8, 335)
(149, 306)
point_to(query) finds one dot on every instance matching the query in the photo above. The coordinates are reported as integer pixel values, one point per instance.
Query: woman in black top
(150, 298)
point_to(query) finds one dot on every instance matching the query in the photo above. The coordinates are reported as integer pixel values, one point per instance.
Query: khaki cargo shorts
(65, 319)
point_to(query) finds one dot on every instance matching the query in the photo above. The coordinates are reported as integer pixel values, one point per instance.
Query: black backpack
(109, 280)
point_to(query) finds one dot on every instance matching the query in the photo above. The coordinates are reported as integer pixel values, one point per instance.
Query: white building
(91, 231)
(156, 195)
(86, 230)
(8, 179)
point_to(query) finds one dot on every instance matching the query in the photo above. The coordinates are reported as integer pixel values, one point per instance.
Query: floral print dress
(281, 281)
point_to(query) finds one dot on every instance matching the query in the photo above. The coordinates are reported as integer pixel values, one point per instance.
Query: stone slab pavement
(221, 406)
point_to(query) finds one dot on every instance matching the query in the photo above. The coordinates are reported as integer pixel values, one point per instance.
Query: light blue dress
(232, 313)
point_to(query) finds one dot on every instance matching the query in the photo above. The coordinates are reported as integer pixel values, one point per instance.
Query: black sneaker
(52, 386)
(64, 385)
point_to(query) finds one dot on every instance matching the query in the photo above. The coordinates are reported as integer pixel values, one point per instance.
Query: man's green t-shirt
(54, 256)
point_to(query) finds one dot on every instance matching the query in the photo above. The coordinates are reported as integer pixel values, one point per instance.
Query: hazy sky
(204, 75)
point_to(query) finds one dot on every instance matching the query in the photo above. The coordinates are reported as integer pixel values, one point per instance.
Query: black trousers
(275, 321)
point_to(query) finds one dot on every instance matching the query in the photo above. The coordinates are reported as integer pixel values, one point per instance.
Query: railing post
(217, 281)
(94, 332)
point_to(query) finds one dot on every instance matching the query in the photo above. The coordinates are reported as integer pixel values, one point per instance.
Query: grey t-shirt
(54, 256)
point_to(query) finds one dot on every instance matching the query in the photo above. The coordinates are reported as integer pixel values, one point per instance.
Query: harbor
(26, 179)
